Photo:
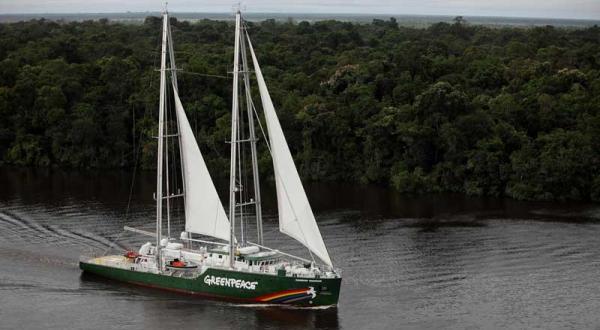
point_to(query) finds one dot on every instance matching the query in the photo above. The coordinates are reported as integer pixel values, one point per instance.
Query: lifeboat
(180, 265)
(131, 255)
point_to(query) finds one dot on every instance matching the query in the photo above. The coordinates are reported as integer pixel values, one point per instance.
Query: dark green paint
(267, 284)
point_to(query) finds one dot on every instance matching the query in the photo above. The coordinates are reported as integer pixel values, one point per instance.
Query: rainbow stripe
(288, 296)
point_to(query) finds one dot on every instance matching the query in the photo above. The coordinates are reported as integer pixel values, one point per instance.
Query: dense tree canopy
(453, 107)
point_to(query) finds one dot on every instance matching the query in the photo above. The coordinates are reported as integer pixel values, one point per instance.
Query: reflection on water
(179, 311)
(418, 262)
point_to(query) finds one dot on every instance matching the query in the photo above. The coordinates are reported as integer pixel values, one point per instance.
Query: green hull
(234, 285)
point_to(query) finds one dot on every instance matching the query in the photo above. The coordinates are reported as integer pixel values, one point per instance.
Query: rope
(135, 166)
(205, 74)
(276, 173)
(128, 209)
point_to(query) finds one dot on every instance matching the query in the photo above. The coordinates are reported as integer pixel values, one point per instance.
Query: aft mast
(161, 125)
(234, 126)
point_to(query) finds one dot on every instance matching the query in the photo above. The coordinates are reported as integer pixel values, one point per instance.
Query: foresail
(204, 213)
(296, 218)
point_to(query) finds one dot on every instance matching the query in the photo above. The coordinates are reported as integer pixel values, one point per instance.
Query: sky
(582, 9)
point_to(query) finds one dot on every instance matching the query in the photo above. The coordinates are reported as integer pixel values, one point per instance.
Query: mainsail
(296, 218)
(204, 213)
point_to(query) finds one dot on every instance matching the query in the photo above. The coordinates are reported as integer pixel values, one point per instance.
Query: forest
(454, 107)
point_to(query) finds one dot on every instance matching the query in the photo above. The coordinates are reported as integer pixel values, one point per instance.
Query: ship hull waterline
(234, 286)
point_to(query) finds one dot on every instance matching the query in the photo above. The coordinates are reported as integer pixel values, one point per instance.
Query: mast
(161, 124)
(234, 125)
(167, 190)
(253, 140)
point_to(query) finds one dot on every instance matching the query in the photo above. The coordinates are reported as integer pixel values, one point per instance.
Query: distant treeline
(450, 108)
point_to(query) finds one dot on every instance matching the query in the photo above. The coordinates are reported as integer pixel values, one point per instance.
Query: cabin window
(220, 256)
(250, 262)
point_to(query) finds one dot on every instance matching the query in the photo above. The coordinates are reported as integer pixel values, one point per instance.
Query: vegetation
(484, 111)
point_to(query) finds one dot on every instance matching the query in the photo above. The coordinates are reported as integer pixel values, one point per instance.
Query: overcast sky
(589, 9)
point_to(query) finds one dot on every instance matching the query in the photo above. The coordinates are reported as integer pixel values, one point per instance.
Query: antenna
(238, 7)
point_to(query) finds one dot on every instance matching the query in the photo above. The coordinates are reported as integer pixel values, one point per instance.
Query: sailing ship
(230, 267)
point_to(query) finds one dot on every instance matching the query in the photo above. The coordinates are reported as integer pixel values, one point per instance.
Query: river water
(442, 261)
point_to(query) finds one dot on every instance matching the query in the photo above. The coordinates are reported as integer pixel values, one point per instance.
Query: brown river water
(428, 262)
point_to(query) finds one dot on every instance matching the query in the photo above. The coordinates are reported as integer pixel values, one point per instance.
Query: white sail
(204, 213)
(296, 218)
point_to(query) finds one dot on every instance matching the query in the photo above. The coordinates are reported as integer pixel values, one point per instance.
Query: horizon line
(297, 12)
